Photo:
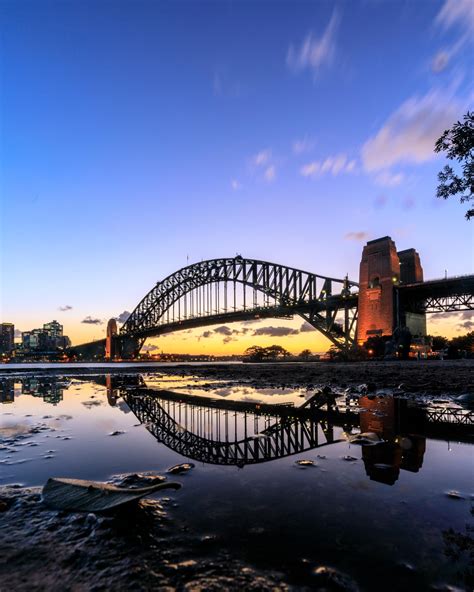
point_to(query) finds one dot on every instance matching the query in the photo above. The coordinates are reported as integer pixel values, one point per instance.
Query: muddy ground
(140, 548)
(430, 377)
(421, 376)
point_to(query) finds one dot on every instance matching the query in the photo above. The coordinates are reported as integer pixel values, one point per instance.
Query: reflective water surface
(392, 508)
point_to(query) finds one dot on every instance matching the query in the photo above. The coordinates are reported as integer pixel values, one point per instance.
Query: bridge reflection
(240, 433)
(225, 436)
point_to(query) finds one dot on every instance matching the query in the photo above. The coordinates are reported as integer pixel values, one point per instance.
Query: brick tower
(110, 349)
(411, 272)
(381, 270)
(379, 273)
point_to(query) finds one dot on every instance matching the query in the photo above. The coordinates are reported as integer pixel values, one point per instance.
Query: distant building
(49, 338)
(53, 329)
(7, 338)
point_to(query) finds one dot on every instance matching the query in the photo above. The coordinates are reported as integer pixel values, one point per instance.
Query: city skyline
(138, 141)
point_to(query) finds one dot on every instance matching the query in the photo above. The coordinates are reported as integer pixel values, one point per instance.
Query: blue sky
(137, 134)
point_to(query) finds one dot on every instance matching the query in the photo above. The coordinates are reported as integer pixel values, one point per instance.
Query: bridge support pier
(128, 347)
(382, 271)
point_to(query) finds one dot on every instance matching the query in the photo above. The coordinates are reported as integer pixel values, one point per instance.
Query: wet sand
(433, 376)
(417, 376)
(141, 548)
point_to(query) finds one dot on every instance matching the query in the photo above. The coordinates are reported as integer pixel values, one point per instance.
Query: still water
(393, 514)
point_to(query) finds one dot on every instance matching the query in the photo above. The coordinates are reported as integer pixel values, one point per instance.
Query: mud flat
(425, 376)
(433, 376)
(138, 549)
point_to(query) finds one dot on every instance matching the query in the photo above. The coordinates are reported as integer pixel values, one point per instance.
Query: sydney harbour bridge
(390, 293)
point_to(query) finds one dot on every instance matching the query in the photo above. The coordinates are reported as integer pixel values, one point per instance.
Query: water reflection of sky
(385, 506)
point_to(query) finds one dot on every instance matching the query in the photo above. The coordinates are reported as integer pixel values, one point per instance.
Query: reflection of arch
(216, 436)
(222, 290)
(184, 423)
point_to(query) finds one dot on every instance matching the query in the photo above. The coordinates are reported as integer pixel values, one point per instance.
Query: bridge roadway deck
(330, 304)
(440, 295)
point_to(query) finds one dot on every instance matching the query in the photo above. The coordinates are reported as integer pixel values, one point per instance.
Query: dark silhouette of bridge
(239, 289)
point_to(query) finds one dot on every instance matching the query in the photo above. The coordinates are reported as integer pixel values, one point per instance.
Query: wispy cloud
(275, 331)
(224, 86)
(456, 12)
(223, 330)
(315, 52)
(270, 173)
(235, 184)
(150, 348)
(123, 316)
(264, 163)
(357, 236)
(262, 158)
(440, 61)
(388, 179)
(380, 201)
(90, 321)
(302, 146)
(227, 333)
(65, 308)
(334, 165)
(453, 14)
(410, 133)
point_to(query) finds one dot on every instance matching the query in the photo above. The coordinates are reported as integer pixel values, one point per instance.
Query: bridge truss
(226, 290)
(445, 295)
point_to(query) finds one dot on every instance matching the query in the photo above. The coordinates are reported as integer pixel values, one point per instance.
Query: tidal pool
(277, 488)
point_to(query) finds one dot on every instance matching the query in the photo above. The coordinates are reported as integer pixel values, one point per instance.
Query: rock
(453, 494)
(406, 567)
(182, 468)
(138, 480)
(365, 439)
(349, 458)
(305, 463)
(116, 433)
(328, 579)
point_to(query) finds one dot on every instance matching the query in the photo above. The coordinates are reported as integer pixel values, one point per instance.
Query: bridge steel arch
(217, 290)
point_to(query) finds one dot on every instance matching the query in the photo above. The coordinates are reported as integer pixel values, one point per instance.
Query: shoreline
(418, 376)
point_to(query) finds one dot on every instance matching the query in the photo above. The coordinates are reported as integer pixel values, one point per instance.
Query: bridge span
(390, 294)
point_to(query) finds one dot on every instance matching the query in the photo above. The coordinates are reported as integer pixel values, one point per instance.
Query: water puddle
(368, 483)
